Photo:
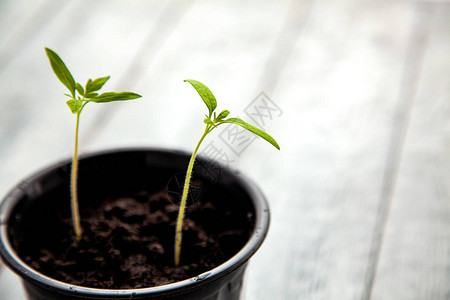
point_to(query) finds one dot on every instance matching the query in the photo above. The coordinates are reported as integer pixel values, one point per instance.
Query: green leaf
(253, 129)
(91, 95)
(74, 105)
(205, 94)
(223, 114)
(112, 96)
(208, 121)
(95, 85)
(79, 89)
(61, 71)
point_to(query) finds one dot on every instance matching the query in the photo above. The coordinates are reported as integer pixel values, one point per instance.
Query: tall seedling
(79, 97)
(212, 121)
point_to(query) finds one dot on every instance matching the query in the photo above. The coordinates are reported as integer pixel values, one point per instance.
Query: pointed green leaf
(112, 96)
(90, 95)
(74, 105)
(223, 114)
(205, 94)
(208, 121)
(61, 71)
(253, 129)
(79, 89)
(95, 85)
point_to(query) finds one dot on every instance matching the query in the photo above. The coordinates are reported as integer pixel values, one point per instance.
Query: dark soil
(128, 241)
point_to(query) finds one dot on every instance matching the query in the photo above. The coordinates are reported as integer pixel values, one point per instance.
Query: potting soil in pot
(128, 240)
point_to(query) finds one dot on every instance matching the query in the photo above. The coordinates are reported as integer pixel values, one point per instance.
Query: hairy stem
(73, 184)
(179, 228)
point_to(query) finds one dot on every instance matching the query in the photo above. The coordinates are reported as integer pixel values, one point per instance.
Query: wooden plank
(228, 56)
(414, 259)
(20, 24)
(134, 73)
(340, 96)
(412, 71)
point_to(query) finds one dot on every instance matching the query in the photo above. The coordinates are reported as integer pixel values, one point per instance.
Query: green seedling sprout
(79, 97)
(212, 121)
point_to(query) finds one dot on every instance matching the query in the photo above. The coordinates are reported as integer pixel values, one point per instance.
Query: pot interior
(46, 194)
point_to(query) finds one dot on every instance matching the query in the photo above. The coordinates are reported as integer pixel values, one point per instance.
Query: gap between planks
(414, 60)
(28, 30)
(156, 37)
(284, 44)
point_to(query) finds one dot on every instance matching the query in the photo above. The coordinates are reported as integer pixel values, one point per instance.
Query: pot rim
(7, 252)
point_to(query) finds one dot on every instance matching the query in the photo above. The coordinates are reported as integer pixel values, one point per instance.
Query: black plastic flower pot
(123, 171)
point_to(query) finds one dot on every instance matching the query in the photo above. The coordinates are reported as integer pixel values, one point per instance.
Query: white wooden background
(360, 190)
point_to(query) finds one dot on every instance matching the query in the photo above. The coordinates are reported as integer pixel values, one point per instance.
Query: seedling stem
(211, 121)
(76, 105)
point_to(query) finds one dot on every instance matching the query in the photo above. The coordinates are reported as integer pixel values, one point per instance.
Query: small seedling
(79, 97)
(212, 121)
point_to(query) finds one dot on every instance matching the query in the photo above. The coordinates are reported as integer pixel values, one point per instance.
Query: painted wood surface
(357, 96)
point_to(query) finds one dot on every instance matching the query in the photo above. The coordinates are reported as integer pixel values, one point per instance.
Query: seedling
(212, 121)
(79, 97)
